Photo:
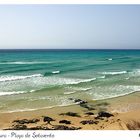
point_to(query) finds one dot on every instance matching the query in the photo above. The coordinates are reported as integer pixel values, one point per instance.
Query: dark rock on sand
(33, 121)
(47, 119)
(89, 113)
(82, 103)
(89, 122)
(63, 127)
(104, 114)
(21, 121)
(73, 114)
(19, 127)
(79, 101)
(99, 118)
(25, 121)
(70, 98)
(102, 104)
(87, 106)
(65, 121)
(39, 128)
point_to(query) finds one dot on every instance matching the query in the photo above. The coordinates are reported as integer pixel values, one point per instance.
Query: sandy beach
(121, 113)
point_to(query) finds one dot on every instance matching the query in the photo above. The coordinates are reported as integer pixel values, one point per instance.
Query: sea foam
(13, 78)
(114, 73)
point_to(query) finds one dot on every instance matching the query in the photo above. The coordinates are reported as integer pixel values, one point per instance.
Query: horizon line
(70, 49)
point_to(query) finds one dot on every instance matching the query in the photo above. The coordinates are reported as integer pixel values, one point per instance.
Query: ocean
(35, 79)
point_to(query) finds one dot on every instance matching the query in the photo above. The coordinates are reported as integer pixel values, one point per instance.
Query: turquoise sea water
(32, 79)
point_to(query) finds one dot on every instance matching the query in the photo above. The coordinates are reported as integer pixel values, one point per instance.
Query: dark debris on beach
(25, 121)
(89, 122)
(72, 114)
(65, 121)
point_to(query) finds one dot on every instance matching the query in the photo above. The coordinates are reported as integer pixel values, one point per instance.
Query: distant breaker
(51, 73)
(110, 59)
(56, 72)
(114, 72)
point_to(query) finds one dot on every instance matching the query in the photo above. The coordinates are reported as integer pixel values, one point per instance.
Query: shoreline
(129, 119)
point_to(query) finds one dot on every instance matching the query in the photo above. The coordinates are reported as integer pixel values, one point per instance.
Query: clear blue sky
(70, 26)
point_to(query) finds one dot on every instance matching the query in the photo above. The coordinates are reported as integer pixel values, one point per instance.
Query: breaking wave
(13, 78)
(114, 73)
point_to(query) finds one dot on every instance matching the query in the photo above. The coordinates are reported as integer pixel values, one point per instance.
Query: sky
(70, 26)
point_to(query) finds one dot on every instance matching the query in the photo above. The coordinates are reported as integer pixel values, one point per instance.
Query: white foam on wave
(49, 80)
(15, 92)
(65, 81)
(32, 91)
(102, 77)
(86, 80)
(84, 89)
(127, 78)
(114, 73)
(34, 83)
(11, 92)
(78, 81)
(56, 72)
(110, 59)
(69, 92)
(13, 78)
(24, 62)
